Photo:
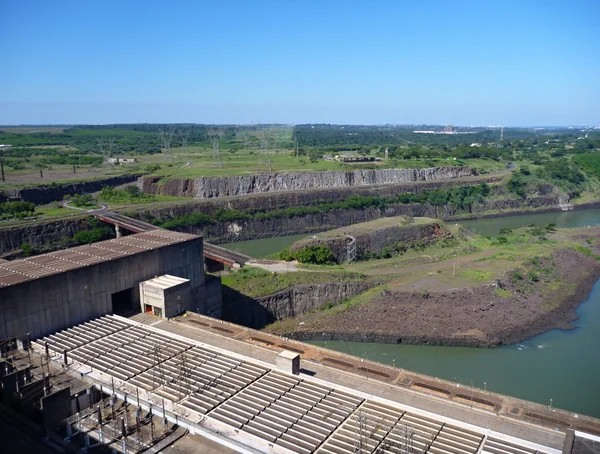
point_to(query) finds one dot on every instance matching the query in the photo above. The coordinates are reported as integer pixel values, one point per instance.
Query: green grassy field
(256, 281)
(198, 161)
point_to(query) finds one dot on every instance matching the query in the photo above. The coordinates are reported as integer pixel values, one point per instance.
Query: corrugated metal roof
(23, 270)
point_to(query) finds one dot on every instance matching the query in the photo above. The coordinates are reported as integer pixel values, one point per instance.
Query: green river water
(560, 365)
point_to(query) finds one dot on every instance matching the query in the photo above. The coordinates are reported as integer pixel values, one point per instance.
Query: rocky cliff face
(227, 232)
(205, 188)
(43, 236)
(41, 195)
(375, 240)
(293, 301)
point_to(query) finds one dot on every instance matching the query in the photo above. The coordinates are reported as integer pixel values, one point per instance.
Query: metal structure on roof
(23, 270)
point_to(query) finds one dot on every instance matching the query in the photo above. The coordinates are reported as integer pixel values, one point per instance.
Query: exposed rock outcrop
(473, 317)
(42, 237)
(53, 232)
(295, 300)
(205, 188)
(41, 195)
(375, 238)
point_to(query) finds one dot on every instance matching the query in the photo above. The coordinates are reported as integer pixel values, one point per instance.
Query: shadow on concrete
(244, 310)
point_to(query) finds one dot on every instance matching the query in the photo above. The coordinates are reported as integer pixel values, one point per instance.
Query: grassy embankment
(258, 282)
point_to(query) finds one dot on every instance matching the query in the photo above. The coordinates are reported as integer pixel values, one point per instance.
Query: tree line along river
(562, 366)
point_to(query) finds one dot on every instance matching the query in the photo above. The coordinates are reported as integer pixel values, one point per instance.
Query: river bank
(539, 292)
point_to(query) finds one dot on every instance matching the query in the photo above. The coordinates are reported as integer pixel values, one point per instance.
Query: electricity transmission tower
(264, 156)
(215, 136)
(104, 155)
(184, 135)
(166, 136)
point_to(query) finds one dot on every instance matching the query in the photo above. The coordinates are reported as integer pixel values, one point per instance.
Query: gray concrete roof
(255, 404)
(23, 270)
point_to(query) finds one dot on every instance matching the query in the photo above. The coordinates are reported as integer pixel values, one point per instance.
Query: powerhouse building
(46, 293)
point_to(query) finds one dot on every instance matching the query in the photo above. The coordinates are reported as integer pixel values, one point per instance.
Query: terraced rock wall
(206, 188)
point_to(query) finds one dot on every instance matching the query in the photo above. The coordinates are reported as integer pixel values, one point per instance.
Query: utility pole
(2, 167)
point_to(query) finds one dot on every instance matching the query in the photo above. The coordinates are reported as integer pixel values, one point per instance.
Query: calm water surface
(560, 365)
(259, 249)
(562, 219)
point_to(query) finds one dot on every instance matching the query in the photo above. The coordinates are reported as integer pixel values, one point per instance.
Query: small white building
(118, 161)
(165, 296)
(5, 146)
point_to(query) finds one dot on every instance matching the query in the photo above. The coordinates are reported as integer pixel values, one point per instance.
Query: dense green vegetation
(562, 172)
(564, 157)
(94, 235)
(315, 255)
(463, 197)
(83, 201)
(589, 163)
(131, 194)
(19, 210)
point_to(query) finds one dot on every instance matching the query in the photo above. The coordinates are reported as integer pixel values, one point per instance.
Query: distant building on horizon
(449, 129)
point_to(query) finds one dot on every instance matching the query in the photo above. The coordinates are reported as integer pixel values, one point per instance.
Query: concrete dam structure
(206, 188)
(42, 294)
(251, 392)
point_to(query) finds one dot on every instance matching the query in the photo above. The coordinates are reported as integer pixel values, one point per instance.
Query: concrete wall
(208, 299)
(48, 304)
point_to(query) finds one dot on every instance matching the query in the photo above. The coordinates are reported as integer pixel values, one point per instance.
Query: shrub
(93, 235)
(83, 200)
(502, 240)
(286, 255)
(26, 248)
(318, 255)
(516, 185)
(152, 167)
(192, 219)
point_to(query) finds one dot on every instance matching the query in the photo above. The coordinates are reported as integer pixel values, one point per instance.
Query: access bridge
(215, 257)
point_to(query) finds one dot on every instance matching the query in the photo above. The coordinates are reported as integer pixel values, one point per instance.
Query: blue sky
(488, 62)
